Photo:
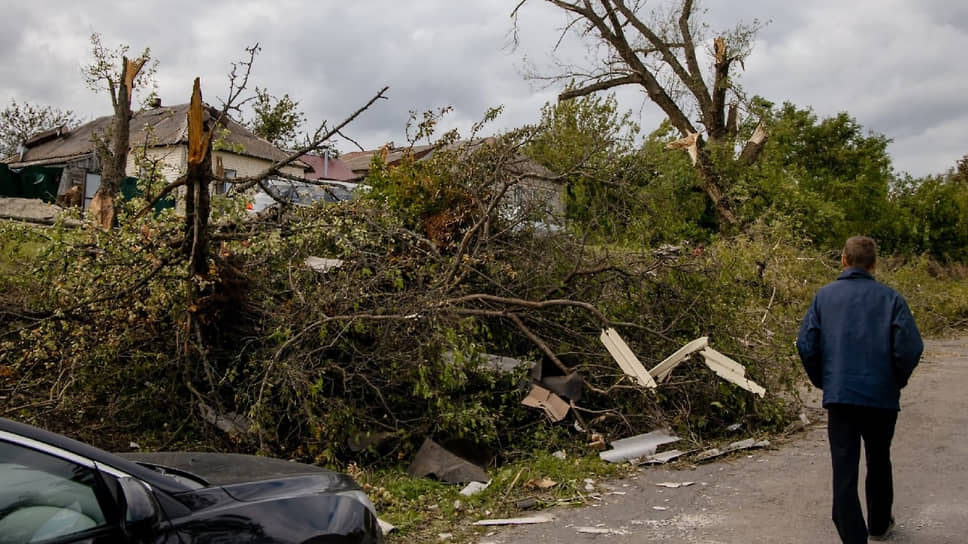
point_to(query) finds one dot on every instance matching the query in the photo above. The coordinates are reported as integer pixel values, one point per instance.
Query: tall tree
(113, 71)
(20, 121)
(659, 52)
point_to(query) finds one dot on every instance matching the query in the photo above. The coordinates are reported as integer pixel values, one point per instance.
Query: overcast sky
(894, 65)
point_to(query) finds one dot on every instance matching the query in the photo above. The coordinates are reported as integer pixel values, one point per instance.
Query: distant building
(161, 133)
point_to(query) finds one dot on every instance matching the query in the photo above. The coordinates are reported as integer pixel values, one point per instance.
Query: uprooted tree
(659, 51)
(385, 342)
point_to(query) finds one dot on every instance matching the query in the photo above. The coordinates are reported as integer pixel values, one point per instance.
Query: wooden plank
(661, 371)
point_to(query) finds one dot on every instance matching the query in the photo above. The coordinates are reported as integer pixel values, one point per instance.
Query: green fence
(31, 182)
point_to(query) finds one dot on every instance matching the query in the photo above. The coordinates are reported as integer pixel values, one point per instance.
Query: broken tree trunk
(709, 178)
(114, 157)
(198, 180)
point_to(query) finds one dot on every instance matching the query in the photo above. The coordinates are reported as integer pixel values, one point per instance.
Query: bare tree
(659, 52)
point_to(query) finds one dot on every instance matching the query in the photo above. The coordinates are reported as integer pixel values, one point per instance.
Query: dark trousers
(846, 425)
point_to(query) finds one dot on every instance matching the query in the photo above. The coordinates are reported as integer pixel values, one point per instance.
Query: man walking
(859, 343)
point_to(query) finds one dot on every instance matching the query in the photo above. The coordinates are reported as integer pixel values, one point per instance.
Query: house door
(91, 184)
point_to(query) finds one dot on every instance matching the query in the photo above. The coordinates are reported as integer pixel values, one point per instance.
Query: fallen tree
(387, 341)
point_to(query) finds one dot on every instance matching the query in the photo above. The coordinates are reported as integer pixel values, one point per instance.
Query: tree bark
(114, 157)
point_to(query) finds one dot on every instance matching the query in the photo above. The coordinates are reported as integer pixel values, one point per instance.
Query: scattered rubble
(322, 265)
(747, 444)
(554, 406)
(674, 485)
(627, 360)
(474, 488)
(662, 458)
(722, 365)
(433, 459)
(552, 378)
(386, 526)
(600, 531)
(540, 483)
(641, 446)
(514, 521)
(230, 423)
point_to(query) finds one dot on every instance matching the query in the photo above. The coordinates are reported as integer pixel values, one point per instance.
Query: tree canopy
(20, 121)
(278, 120)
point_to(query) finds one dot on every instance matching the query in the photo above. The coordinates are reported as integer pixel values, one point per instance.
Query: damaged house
(159, 135)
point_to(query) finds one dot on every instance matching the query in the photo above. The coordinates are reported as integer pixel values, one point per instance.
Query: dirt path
(783, 496)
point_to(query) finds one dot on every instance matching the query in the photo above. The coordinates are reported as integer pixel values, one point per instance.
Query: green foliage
(589, 144)
(672, 208)
(88, 346)
(826, 178)
(18, 122)
(936, 294)
(452, 186)
(277, 120)
(929, 216)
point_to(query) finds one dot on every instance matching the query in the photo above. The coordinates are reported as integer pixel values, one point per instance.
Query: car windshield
(298, 193)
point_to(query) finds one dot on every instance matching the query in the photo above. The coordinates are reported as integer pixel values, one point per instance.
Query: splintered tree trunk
(113, 166)
(114, 158)
(198, 180)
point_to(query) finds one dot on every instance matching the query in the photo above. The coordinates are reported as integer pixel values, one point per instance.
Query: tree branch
(598, 86)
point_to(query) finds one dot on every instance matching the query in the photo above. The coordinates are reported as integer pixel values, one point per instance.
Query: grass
(422, 509)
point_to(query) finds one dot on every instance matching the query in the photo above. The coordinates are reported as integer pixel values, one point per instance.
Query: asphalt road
(783, 495)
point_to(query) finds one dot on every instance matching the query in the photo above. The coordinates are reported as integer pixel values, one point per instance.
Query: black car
(57, 490)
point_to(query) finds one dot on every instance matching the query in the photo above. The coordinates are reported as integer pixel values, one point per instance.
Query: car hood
(232, 469)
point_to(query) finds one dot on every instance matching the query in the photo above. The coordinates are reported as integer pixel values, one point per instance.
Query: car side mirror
(140, 508)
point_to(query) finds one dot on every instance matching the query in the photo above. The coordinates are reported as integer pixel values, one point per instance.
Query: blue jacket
(858, 342)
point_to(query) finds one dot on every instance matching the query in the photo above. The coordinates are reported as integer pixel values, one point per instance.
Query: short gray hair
(860, 251)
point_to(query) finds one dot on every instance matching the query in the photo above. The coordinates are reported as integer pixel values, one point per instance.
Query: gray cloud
(892, 65)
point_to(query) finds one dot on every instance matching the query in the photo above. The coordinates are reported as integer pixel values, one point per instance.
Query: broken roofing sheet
(625, 358)
(432, 458)
(723, 366)
(635, 447)
(749, 443)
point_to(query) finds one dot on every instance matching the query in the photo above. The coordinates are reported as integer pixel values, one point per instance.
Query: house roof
(159, 127)
(359, 161)
(327, 168)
